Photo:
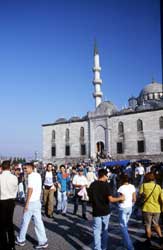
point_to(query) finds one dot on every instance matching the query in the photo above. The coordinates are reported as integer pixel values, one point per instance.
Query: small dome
(60, 120)
(74, 118)
(153, 87)
(106, 107)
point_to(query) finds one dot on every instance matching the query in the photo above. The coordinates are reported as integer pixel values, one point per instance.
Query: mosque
(135, 132)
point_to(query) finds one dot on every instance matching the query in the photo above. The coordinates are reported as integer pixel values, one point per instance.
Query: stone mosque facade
(135, 132)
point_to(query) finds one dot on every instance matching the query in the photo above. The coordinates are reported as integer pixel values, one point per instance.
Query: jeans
(100, 232)
(34, 211)
(62, 201)
(124, 216)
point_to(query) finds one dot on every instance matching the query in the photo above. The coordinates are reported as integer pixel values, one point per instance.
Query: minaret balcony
(97, 81)
(98, 94)
(96, 69)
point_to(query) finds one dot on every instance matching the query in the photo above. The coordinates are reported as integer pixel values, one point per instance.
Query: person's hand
(52, 187)
(122, 197)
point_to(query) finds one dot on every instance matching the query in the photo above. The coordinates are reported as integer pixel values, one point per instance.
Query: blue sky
(46, 60)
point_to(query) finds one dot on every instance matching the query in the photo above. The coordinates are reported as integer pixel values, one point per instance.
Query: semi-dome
(153, 87)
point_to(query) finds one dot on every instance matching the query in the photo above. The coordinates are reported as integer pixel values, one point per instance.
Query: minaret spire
(97, 80)
(95, 48)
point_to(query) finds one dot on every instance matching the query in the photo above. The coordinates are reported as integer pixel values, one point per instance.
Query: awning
(122, 163)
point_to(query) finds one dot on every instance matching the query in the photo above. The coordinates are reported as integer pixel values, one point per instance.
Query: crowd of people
(49, 188)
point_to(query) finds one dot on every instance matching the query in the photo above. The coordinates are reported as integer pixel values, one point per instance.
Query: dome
(153, 87)
(106, 107)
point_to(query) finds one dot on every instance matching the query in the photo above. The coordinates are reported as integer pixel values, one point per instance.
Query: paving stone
(74, 233)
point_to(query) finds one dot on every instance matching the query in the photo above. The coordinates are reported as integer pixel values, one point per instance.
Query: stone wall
(60, 140)
(151, 134)
(105, 129)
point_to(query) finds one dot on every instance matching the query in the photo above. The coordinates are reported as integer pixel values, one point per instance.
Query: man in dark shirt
(100, 196)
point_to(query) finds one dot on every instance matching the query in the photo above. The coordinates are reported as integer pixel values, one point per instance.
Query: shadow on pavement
(73, 230)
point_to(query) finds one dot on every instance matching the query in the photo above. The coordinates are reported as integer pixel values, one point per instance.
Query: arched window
(139, 125)
(53, 150)
(81, 132)
(67, 150)
(120, 128)
(119, 148)
(161, 122)
(82, 149)
(53, 135)
(67, 134)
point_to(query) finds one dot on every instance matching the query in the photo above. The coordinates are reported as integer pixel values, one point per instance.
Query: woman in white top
(91, 176)
(79, 182)
(49, 180)
(125, 209)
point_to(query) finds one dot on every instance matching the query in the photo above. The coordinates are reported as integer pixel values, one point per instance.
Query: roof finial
(95, 48)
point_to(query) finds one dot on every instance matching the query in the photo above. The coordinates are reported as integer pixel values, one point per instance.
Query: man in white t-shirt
(32, 209)
(79, 182)
(8, 191)
(139, 174)
(125, 209)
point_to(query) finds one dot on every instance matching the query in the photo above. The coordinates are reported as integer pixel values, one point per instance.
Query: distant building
(134, 132)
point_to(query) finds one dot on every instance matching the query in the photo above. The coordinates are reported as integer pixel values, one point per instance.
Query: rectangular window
(53, 151)
(161, 144)
(141, 146)
(67, 150)
(119, 148)
(83, 149)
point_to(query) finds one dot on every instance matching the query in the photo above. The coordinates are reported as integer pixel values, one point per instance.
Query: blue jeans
(100, 232)
(124, 216)
(62, 201)
(34, 211)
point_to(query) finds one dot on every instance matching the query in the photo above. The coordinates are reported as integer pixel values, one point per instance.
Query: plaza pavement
(74, 233)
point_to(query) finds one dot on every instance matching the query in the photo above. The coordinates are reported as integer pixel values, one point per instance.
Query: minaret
(97, 80)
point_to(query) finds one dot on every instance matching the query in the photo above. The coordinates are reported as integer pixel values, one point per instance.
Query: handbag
(141, 200)
(83, 194)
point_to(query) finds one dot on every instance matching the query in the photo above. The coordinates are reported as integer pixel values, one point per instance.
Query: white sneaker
(45, 245)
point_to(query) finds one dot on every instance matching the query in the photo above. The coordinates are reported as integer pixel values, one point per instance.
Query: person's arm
(29, 194)
(43, 179)
(116, 199)
(90, 193)
(141, 190)
(86, 183)
(134, 197)
(54, 177)
(68, 185)
(77, 186)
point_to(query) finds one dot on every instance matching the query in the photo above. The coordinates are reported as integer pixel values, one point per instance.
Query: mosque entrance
(100, 149)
